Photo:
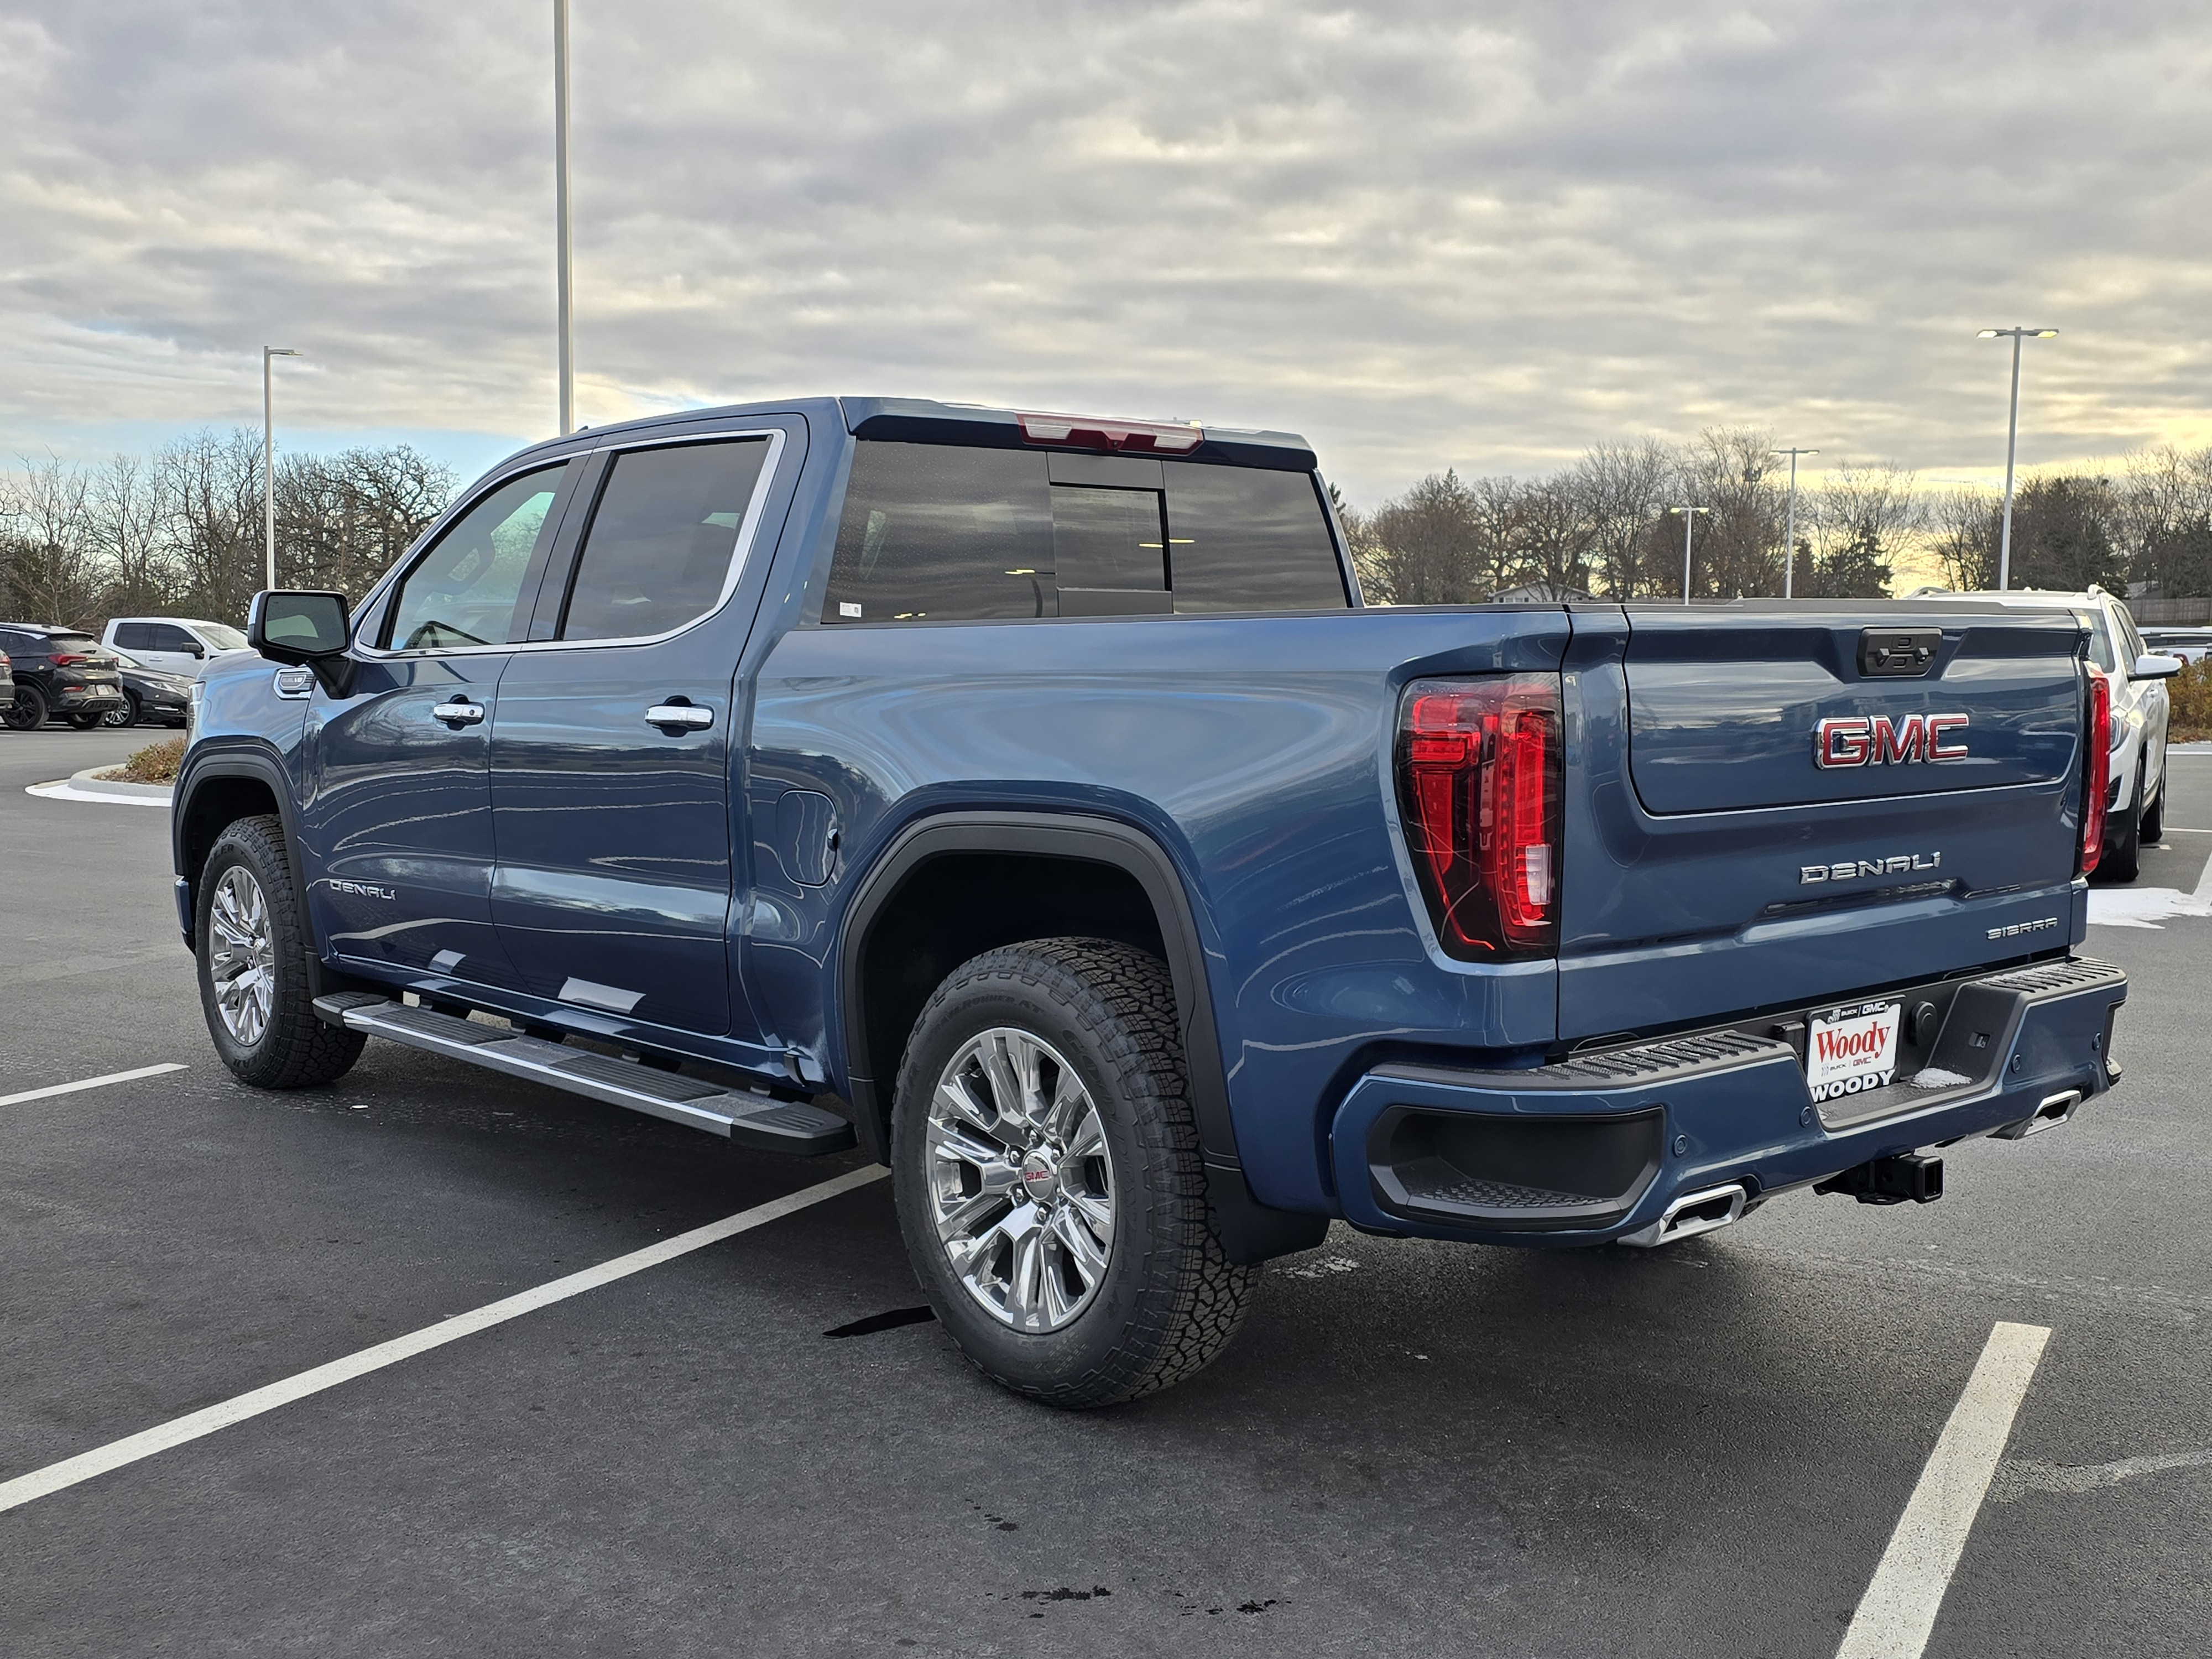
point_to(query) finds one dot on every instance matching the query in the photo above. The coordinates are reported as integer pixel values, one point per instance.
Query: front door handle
(674, 717)
(458, 714)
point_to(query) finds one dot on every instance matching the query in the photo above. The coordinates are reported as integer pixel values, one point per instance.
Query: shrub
(157, 762)
(2190, 691)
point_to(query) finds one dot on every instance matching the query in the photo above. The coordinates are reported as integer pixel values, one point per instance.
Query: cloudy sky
(1484, 235)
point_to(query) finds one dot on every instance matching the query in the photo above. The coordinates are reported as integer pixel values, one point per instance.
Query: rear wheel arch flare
(915, 917)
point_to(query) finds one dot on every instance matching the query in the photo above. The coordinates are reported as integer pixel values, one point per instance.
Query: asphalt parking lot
(1413, 1449)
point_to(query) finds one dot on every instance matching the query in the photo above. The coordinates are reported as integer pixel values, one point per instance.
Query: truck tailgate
(1760, 816)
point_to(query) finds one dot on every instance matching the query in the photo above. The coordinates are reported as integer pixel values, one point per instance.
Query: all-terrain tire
(1169, 1300)
(2152, 826)
(294, 1049)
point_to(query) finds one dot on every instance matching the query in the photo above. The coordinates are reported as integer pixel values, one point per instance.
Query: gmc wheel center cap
(1040, 1175)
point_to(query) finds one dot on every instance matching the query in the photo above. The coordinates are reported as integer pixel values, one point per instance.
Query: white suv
(2134, 808)
(176, 645)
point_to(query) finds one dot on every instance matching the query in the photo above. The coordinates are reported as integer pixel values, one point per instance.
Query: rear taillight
(1081, 432)
(69, 659)
(1478, 787)
(2097, 763)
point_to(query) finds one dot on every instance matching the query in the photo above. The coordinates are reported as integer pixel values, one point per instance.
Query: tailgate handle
(1898, 652)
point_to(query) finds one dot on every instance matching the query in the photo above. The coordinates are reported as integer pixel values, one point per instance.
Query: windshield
(222, 636)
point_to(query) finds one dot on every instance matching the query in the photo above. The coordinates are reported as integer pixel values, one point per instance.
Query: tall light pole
(1689, 521)
(2012, 437)
(269, 457)
(561, 213)
(1789, 523)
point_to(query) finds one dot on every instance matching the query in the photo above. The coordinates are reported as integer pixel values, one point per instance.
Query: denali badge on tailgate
(1877, 740)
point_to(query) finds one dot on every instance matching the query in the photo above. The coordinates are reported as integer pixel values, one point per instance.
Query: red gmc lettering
(1841, 741)
(1937, 725)
(1903, 742)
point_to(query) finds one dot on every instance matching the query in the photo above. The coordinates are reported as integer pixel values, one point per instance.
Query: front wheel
(126, 715)
(1048, 1179)
(87, 722)
(252, 952)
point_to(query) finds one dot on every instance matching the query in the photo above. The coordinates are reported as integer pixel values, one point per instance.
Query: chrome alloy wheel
(1021, 1185)
(243, 963)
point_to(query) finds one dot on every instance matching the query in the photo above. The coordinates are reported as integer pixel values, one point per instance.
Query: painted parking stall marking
(195, 1425)
(1899, 1610)
(91, 1083)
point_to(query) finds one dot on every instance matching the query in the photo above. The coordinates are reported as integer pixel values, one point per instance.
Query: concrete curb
(87, 785)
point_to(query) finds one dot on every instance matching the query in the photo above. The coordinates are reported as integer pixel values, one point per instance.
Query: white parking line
(1899, 1607)
(194, 1426)
(90, 1083)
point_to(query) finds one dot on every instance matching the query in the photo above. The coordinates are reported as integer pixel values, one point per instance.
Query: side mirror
(199, 653)
(2155, 665)
(304, 629)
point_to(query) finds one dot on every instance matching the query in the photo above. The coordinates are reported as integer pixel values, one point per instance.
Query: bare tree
(1422, 546)
(2164, 523)
(126, 519)
(1962, 526)
(52, 569)
(1861, 517)
(1621, 489)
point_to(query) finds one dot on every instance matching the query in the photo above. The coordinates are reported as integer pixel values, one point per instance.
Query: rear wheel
(1048, 1179)
(27, 713)
(2152, 826)
(2123, 859)
(253, 952)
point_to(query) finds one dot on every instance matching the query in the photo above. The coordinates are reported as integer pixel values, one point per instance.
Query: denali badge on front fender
(1896, 864)
(1877, 740)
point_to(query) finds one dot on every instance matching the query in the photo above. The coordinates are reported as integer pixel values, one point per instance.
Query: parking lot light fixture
(1689, 523)
(268, 460)
(2011, 438)
(1789, 522)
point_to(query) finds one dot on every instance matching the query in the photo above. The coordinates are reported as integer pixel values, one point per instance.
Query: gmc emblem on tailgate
(1876, 740)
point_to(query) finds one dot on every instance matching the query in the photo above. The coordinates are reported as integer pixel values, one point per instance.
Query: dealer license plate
(1851, 1049)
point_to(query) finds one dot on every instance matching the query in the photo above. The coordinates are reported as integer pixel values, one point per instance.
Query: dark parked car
(60, 673)
(150, 696)
(7, 681)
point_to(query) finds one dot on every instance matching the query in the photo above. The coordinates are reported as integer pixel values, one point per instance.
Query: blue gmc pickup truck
(1036, 792)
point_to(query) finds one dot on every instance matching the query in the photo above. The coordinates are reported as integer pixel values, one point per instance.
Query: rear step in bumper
(1612, 1144)
(747, 1118)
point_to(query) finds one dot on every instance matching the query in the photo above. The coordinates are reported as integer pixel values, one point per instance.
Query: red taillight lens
(1478, 777)
(69, 659)
(2097, 772)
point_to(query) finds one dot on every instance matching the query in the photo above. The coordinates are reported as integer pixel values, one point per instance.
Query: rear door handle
(674, 717)
(458, 714)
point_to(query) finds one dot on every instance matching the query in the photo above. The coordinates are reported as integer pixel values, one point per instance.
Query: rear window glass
(1242, 539)
(659, 547)
(936, 532)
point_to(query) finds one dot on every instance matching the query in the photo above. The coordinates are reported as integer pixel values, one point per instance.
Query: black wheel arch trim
(1251, 1231)
(261, 762)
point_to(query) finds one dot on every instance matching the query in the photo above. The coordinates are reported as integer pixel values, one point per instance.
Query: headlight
(2122, 730)
(192, 713)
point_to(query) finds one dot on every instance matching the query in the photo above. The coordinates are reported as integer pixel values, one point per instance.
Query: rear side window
(134, 636)
(463, 591)
(936, 532)
(167, 636)
(658, 550)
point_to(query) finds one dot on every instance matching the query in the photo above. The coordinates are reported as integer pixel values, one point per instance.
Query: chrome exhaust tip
(2050, 1113)
(1691, 1214)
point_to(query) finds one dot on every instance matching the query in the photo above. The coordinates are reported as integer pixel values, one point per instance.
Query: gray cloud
(1482, 235)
